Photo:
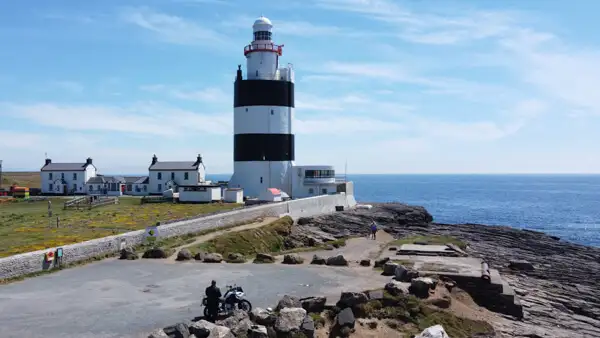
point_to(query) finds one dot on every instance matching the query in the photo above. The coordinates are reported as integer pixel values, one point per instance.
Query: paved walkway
(131, 298)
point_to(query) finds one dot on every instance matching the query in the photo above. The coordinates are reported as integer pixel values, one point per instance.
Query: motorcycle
(233, 297)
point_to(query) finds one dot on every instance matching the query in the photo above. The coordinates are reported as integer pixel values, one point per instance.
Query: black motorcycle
(234, 298)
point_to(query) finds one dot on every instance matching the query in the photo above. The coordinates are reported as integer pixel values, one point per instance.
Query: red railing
(263, 48)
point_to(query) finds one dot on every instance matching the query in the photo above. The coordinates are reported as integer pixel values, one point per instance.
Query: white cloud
(173, 29)
(143, 118)
(209, 94)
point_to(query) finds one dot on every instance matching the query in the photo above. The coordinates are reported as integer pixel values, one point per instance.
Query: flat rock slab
(116, 298)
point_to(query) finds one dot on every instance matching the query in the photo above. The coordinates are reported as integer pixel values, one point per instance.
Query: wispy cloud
(210, 94)
(173, 29)
(292, 27)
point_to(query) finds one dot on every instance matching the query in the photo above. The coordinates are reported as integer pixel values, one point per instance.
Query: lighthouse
(263, 109)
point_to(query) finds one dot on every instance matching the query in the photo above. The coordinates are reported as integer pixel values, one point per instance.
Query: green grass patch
(267, 239)
(25, 226)
(432, 240)
(407, 309)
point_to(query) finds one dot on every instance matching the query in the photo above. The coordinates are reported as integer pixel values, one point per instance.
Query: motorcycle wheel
(245, 306)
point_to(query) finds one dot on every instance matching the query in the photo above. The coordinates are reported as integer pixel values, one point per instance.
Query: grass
(414, 316)
(25, 226)
(432, 239)
(22, 179)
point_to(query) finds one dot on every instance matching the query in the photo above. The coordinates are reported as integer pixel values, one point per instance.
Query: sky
(385, 86)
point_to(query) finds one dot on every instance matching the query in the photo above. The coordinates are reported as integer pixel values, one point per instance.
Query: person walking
(213, 296)
(373, 230)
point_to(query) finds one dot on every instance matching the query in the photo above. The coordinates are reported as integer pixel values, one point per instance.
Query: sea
(567, 206)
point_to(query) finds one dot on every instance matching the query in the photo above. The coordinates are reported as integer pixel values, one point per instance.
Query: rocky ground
(558, 282)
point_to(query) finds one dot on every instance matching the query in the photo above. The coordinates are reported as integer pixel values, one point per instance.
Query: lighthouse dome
(262, 24)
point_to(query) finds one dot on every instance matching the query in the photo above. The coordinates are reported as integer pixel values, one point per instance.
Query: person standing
(373, 230)
(213, 296)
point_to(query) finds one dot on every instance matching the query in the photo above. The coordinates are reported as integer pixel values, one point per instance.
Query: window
(145, 187)
(272, 112)
(62, 175)
(50, 176)
(262, 36)
(172, 176)
(261, 179)
(74, 176)
(50, 187)
(186, 176)
(91, 188)
(99, 187)
(159, 176)
(319, 173)
(159, 187)
(324, 191)
(311, 191)
(129, 187)
(246, 109)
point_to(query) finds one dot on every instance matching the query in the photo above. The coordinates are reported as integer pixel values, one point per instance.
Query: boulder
(389, 268)
(421, 286)
(128, 254)
(288, 302)
(235, 257)
(239, 322)
(179, 330)
(400, 272)
(155, 253)
(365, 262)
(314, 304)
(290, 320)
(393, 248)
(213, 258)
(264, 258)
(262, 316)
(521, 265)
(375, 294)
(199, 256)
(436, 331)
(206, 329)
(160, 333)
(395, 288)
(258, 331)
(318, 260)
(304, 220)
(380, 262)
(350, 299)
(345, 318)
(442, 303)
(337, 260)
(292, 259)
(308, 327)
(184, 255)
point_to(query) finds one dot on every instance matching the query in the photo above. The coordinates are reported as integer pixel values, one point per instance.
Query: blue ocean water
(567, 206)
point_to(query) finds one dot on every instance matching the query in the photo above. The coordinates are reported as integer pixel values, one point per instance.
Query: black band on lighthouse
(263, 93)
(263, 147)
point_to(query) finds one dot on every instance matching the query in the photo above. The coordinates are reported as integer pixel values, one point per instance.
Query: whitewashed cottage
(66, 178)
(170, 175)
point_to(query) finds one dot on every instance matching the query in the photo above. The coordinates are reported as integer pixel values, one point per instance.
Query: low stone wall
(31, 262)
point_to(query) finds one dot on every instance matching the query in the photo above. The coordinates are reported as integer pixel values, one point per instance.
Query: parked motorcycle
(233, 298)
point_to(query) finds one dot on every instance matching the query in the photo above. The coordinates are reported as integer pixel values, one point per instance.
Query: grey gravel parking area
(131, 298)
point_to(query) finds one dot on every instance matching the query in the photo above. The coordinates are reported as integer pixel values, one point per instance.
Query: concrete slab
(131, 298)
(427, 250)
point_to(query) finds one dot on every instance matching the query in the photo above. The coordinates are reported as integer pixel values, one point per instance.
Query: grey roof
(64, 167)
(101, 179)
(143, 180)
(132, 179)
(184, 165)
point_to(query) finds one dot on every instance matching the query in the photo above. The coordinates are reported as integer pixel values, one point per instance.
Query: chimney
(199, 159)
(48, 161)
(239, 73)
(88, 160)
(154, 159)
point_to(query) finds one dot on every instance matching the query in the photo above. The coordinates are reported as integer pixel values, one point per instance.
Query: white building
(170, 175)
(264, 150)
(199, 193)
(66, 178)
(233, 195)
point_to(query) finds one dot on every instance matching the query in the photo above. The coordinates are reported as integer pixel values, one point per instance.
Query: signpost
(151, 234)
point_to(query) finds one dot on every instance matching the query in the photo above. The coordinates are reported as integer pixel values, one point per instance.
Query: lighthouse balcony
(263, 47)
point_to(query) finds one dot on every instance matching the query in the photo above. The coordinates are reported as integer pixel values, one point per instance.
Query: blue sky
(388, 86)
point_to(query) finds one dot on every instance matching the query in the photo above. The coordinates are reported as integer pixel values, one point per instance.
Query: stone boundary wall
(31, 262)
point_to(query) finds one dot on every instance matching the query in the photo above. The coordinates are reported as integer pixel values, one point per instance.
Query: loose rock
(314, 304)
(290, 320)
(264, 258)
(199, 256)
(158, 334)
(179, 330)
(521, 265)
(345, 318)
(239, 322)
(337, 260)
(436, 331)
(396, 288)
(235, 257)
(365, 262)
(308, 327)
(380, 262)
(318, 260)
(184, 255)
(350, 299)
(128, 254)
(421, 286)
(292, 259)
(288, 302)
(258, 331)
(155, 253)
(213, 258)
(389, 268)
(262, 316)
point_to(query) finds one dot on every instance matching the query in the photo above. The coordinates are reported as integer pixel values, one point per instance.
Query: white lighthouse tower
(263, 146)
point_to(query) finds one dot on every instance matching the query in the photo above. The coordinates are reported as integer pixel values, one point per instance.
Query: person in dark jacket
(213, 296)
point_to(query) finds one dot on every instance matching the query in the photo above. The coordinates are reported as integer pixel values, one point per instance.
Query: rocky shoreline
(557, 282)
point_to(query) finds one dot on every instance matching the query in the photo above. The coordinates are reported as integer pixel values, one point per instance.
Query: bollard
(485, 272)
